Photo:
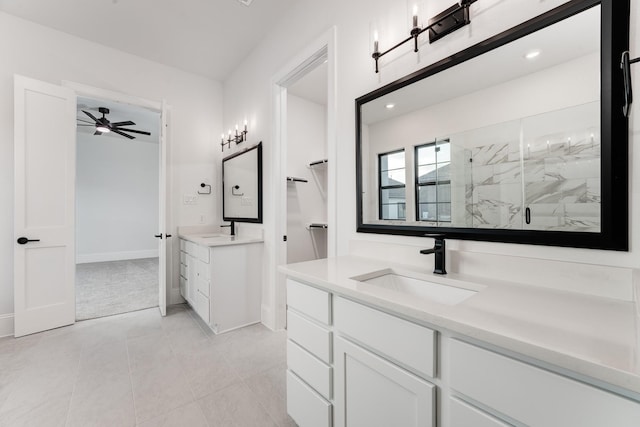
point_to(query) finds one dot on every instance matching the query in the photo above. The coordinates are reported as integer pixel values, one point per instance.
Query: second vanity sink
(450, 292)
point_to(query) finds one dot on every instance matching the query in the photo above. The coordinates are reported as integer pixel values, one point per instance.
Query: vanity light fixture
(240, 136)
(455, 17)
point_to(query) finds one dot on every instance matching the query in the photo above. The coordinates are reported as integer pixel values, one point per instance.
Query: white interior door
(44, 208)
(162, 222)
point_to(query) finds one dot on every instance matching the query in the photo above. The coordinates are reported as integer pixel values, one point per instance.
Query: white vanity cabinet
(195, 277)
(381, 362)
(530, 395)
(222, 283)
(352, 365)
(309, 355)
(349, 365)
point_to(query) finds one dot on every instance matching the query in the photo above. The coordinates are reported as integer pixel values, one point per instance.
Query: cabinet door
(372, 392)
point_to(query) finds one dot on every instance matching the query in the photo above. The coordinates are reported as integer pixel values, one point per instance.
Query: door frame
(161, 107)
(300, 65)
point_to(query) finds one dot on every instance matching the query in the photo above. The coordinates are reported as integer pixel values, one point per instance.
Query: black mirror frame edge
(257, 220)
(614, 127)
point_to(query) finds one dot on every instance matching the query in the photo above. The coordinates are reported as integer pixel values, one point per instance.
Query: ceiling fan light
(103, 129)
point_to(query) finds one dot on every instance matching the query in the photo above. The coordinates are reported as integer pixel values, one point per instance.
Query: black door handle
(167, 235)
(159, 236)
(24, 240)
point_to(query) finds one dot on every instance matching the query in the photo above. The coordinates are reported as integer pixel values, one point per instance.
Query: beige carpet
(108, 288)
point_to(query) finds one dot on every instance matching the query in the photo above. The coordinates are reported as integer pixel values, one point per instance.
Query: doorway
(117, 177)
(45, 196)
(315, 228)
(306, 165)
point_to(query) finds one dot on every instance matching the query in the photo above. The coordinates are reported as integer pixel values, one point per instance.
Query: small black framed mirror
(520, 138)
(242, 186)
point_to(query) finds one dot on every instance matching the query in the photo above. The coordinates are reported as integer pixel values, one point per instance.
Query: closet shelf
(294, 179)
(318, 163)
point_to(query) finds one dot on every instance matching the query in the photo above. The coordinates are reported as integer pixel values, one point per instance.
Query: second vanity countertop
(218, 239)
(592, 336)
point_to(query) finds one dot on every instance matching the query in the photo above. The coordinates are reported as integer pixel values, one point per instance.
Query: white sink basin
(414, 285)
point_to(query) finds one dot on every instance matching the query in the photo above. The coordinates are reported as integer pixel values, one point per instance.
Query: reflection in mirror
(509, 139)
(242, 186)
(516, 139)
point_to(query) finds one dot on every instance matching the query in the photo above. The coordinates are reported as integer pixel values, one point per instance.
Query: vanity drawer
(309, 335)
(465, 415)
(183, 271)
(183, 258)
(201, 306)
(202, 253)
(404, 342)
(190, 248)
(183, 245)
(534, 396)
(314, 372)
(311, 301)
(305, 406)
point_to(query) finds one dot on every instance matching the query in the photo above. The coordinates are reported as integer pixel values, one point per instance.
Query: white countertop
(592, 336)
(218, 239)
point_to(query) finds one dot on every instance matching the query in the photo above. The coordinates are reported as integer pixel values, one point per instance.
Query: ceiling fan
(103, 125)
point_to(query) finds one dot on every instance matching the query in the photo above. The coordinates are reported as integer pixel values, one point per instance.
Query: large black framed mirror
(242, 186)
(520, 138)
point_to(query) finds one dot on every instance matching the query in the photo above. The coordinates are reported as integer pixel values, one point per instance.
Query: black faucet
(232, 227)
(439, 251)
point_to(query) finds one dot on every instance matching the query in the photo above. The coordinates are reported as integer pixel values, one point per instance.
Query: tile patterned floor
(115, 287)
(140, 369)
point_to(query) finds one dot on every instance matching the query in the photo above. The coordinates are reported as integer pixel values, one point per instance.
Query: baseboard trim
(267, 317)
(175, 297)
(6, 325)
(115, 256)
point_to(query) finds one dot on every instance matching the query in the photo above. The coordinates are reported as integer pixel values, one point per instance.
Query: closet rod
(318, 162)
(317, 225)
(294, 179)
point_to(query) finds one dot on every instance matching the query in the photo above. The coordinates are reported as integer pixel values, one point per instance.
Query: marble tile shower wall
(558, 180)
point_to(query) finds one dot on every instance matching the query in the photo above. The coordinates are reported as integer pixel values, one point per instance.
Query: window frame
(435, 183)
(388, 187)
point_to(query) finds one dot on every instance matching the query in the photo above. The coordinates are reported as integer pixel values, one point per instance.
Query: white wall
(116, 198)
(250, 89)
(195, 119)
(306, 202)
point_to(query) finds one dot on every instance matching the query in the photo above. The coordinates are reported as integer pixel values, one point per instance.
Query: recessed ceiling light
(389, 106)
(246, 2)
(532, 54)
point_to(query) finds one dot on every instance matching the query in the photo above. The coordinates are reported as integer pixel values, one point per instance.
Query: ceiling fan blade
(141, 132)
(87, 124)
(127, 123)
(84, 121)
(122, 133)
(90, 115)
(98, 133)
